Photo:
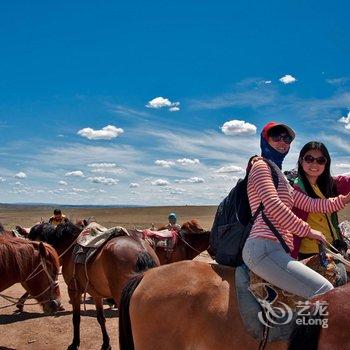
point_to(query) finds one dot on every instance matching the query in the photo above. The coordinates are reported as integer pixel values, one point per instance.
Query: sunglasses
(285, 138)
(310, 159)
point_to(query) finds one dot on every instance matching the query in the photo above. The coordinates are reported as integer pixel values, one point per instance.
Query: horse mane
(192, 227)
(18, 253)
(54, 235)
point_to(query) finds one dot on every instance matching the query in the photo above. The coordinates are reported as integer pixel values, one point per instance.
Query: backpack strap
(275, 232)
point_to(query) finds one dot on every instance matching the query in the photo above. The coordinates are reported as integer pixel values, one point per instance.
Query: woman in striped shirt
(263, 253)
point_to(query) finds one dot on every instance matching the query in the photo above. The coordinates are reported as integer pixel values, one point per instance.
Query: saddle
(92, 238)
(165, 239)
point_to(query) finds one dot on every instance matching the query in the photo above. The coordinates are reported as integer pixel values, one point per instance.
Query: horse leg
(21, 301)
(102, 321)
(75, 298)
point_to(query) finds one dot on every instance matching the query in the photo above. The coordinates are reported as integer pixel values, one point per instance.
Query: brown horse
(35, 266)
(104, 277)
(190, 242)
(336, 335)
(193, 305)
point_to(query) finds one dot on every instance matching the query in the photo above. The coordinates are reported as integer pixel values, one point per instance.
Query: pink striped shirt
(278, 204)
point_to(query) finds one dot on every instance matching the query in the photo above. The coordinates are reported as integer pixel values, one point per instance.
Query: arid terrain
(32, 329)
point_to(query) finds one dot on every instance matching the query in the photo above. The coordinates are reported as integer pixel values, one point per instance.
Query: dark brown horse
(34, 265)
(190, 242)
(193, 305)
(104, 277)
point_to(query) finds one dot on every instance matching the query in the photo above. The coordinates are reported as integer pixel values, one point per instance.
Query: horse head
(42, 282)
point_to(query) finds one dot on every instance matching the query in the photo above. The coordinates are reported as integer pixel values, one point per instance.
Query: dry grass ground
(109, 217)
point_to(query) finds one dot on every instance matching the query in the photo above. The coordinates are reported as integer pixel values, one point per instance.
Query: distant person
(58, 218)
(172, 225)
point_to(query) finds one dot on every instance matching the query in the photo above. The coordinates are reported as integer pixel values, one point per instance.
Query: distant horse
(189, 242)
(185, 305)
(34, 265)
(107, 273)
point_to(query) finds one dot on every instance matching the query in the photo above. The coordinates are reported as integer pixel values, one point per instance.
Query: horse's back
(190, 303)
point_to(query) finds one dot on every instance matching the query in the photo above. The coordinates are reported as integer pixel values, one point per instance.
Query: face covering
(270, 153)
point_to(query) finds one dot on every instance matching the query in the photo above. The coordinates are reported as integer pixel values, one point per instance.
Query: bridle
(52, 286)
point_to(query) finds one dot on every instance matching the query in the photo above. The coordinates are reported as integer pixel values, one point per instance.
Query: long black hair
(325, 181)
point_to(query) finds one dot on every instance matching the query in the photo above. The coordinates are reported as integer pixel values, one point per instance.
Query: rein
(53, 284)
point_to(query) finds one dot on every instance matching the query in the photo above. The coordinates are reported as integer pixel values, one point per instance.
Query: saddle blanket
(163, 234)
(91, 239)
(94, 235)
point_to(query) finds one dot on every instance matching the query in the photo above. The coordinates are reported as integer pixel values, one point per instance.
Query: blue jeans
(268, 259)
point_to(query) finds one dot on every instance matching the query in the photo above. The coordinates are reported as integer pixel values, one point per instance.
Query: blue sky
(126, 103)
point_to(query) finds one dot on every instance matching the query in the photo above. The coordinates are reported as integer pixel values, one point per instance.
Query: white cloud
(63, 183)
(195, 180)
(101, 168)
(161, 102)
(238, 127)
(103, 180)
(343, 165)
(346, 121)
(230, 169)
(187, 161)
(160, 182)
(267, 81)
(337, 81)
(287, 79)
(21, 175)
(82, 190)
(164, 163)
(76, 173)
(134, 185)
(109, 132)
(2, 179)
(102, 165)
(107, 171)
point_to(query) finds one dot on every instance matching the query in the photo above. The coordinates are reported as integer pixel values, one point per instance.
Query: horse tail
(125, 332)
(305, 337)
(144, 262)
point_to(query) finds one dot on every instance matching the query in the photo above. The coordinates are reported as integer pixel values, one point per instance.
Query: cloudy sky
(162, 102)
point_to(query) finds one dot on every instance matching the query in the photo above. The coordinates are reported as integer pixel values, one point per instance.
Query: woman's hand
(347, 198)
(319, 236)
(255, 159)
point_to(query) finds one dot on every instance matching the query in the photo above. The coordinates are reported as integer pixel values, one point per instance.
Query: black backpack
(233, 222)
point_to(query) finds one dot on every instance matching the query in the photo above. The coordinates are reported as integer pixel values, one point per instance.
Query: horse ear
(42, 250)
